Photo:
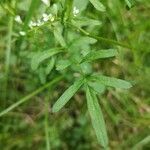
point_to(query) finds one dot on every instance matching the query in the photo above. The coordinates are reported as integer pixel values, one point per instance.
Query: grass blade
(13, 106)
(142, 143)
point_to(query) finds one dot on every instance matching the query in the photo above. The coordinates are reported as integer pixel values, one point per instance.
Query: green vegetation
(74, 74)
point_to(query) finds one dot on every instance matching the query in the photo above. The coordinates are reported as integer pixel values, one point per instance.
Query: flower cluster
(45, 18)
(40, 22)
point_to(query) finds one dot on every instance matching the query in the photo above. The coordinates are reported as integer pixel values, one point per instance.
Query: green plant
(71, 52)
(76, 56)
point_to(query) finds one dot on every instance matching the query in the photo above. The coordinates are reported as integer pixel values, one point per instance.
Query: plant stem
(8, 55)
(99, 38)
(49, 84)
(47, 138)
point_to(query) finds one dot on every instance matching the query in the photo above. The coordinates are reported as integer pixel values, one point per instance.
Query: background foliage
(27, 77)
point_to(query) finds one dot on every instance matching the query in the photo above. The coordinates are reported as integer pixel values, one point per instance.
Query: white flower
(32, 24)
(22, 33)
(18, 19)
(51, 17)
(39, 23)
(45, 17)
(46, 2)
(75, 11)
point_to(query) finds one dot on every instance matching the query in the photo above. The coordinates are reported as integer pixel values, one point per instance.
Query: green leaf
(42, 75)
(99, 54)
(84, 21)
(41, 56)
(130, 3)
(80, 4)
(98, 5)
(96, 117)
(66, 96)
(83, 40)
(113, 82)
(97, 86)
(80, 45)
(58, 35)
(6, 6)
(86, 68)
(62, 64)
(50, 65)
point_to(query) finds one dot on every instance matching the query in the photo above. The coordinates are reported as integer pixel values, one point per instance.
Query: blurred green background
(126, 112)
